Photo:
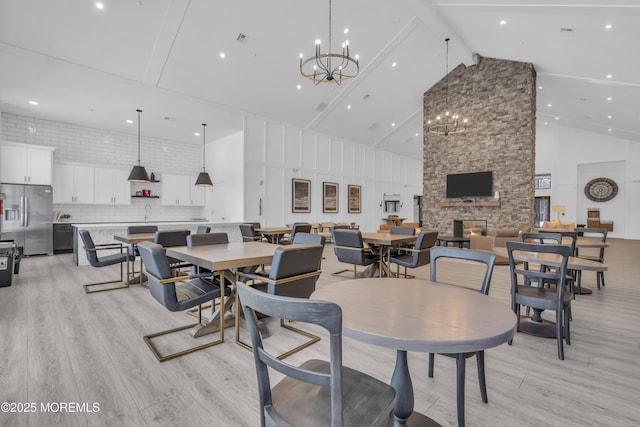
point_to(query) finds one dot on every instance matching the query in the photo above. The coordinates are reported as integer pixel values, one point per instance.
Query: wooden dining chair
(598, 233)
(482, 257)
(540, 297)
(318, 392)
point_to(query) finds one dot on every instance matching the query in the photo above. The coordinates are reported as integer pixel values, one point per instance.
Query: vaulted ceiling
(95, 66)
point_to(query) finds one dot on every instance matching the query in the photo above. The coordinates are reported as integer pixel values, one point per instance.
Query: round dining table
(418, 315)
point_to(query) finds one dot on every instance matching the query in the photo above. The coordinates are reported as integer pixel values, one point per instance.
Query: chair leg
(313, 339)
(481, 376)
(559, 330)
(431, 357)
(113, 288)
(567, 325)
(460, 367)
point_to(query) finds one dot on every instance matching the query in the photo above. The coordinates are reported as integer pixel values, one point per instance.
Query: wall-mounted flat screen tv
(478, 184)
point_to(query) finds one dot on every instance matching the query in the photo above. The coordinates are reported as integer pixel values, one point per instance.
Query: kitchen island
(103, 232)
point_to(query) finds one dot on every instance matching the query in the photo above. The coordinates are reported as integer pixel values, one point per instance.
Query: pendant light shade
(138, 173)
(203, 180)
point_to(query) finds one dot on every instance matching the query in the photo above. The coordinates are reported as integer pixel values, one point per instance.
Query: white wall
(573, 157)
(275, 153)
(224, 160)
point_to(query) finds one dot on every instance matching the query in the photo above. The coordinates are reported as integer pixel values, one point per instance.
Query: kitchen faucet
(147, 211)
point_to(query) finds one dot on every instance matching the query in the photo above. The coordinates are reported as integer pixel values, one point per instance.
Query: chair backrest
(294, 260)
(300, 227)
(201, 229)
(403, 230)
(87, 241)
(542, 275)
(141, 229)
(569, 238)
(168, 238)
(325, 314)
(483, 257)
(207, 239)
(248, 233)
(542, 238)
(316, 239)
(600, 233)
(421, 254)
(156, 262)
(349, 239)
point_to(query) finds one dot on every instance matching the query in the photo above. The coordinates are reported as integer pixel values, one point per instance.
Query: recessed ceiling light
(608, 26)
(99, 5)
(196, 134)
(546, 124)
(548, 105)
(346, 31)
(394, 64)
(393, 124)
(609, 98)
(348, 107)
(129, 121)
(557, 118)
(609, 117)
(299, 87)
(540, 87)
(417, 134)
(222, 55)
(609, 130)
(609, 76)
(33, 102)
(503, 22)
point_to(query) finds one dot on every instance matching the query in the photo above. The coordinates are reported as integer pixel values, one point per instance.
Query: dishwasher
(62, 238)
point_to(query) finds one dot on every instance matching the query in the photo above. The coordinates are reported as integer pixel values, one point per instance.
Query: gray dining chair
(481, 257)
(417, 256)
(120, 257)
(318, 392)
(176, 294)
(349, 248)
(298, 227)
(202, 229)
(599, 233)
(169, 238)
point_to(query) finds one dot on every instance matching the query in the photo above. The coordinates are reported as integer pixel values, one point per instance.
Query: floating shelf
(146, 197)
(480, 203)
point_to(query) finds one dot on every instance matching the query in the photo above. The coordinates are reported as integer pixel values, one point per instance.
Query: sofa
(498, 237)
(557, 225)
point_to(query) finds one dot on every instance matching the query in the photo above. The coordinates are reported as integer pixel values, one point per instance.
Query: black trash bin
(7, 258)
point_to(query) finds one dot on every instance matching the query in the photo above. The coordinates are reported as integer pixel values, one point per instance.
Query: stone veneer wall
(499, 99)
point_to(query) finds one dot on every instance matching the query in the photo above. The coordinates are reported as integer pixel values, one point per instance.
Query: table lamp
(559, 209)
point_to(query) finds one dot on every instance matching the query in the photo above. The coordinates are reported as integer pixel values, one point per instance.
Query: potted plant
(65, 217)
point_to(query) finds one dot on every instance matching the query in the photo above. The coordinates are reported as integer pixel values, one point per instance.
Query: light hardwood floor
(58, 344)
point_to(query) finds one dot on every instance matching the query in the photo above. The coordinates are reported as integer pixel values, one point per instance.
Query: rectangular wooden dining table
(273, 234)
(384, 242)
(223, 260)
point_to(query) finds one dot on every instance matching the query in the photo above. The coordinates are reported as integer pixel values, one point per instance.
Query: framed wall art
(330, 197)
(354, 198)
(300, 195)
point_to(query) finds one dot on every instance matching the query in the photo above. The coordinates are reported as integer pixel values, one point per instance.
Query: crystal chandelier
(329, 67)
(447, 123)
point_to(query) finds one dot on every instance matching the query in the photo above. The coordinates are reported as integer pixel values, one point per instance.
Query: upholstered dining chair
(120, 257)
(539, 297)
(294, 272)
(133, 247)
(418, 255)
(169, 238)
(202, 240)
(318, 392)
(481, 257)
(202, 229)
(298, 227)
(349, 248)
(176, 294)
(249, 234)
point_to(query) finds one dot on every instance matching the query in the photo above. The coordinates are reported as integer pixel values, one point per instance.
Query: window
(543, 181)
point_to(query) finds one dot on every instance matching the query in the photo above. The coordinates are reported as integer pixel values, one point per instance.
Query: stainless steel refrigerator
(27, 217)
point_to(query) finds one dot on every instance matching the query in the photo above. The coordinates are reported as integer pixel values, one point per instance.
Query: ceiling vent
(242, 38)
(322, 106)
(170, 119)
(374, 126)
(566, 30)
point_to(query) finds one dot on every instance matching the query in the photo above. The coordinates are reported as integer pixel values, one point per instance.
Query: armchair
(92, 249)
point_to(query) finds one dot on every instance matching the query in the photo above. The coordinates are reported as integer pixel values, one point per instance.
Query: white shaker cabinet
(25, 164)
(73, 184)
(112, 187)
(179, 190)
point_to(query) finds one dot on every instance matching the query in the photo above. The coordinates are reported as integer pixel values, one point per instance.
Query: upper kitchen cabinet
(73, 184)
(25, 164)
(179, 190)
(112, 187)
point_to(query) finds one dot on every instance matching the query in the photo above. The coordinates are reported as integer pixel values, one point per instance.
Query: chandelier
(329, 67)
(447, 123)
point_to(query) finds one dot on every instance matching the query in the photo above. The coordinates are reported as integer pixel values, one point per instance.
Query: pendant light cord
(139, 111)
(204, 125)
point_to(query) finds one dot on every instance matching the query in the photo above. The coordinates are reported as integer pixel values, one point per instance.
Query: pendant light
(203, 178)
(138, 173)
